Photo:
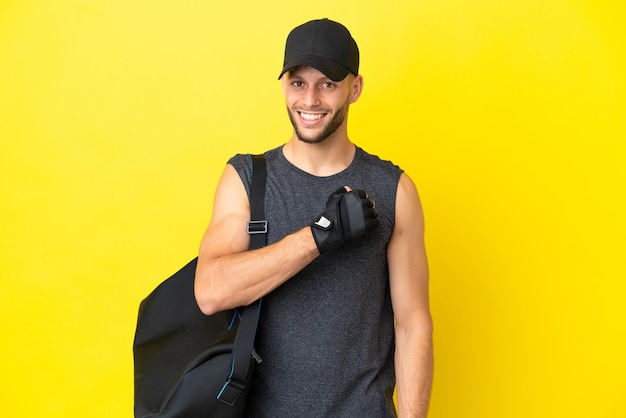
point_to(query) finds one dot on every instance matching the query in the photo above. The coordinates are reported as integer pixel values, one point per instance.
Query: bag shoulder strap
(243, 347)
(257, 226)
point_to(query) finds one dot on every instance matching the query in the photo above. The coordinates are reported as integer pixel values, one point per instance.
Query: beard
(331, 126)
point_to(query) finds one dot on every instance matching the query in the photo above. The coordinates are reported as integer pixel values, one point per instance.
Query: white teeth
(311, 116)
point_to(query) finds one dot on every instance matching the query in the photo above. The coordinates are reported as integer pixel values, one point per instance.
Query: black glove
(348, 217)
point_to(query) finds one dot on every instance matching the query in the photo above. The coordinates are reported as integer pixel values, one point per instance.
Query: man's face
(317, 106)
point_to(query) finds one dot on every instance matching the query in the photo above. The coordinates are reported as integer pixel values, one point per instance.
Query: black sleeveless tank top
(326, 336)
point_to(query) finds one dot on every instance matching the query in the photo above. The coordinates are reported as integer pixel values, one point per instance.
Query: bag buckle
(230, 392)
(256, 227)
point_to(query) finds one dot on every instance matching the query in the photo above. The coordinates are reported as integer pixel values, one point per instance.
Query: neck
(323, 159)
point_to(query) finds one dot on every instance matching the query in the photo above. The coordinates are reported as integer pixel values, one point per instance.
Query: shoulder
(376, 161)
(378, 166)
(242, 163)
(377, 173)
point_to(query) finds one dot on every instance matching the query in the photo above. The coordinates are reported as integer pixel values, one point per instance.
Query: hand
(349, 215)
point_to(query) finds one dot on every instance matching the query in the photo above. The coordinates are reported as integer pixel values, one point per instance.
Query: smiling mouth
(311, 116)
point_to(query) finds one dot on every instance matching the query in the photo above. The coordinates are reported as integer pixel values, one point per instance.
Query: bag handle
(243, 347)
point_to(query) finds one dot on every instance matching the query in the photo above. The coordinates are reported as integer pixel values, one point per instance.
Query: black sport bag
(190, 365)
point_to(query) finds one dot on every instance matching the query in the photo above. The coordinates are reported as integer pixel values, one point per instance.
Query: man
(337, 270)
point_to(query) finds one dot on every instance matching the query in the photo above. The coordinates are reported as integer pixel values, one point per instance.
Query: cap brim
(328, 67)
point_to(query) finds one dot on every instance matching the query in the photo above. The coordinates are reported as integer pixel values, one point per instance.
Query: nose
(310, 97)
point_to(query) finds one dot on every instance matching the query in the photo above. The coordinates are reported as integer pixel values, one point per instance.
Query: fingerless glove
(349, 215)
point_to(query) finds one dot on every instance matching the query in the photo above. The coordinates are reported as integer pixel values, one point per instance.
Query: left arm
(408, 277)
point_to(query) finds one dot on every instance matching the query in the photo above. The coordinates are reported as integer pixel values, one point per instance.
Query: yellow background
(117, 116)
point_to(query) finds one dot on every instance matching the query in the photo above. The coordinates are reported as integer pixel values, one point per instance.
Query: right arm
(229, 275)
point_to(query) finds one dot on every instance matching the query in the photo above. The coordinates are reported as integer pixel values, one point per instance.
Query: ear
(283, 81)
(356, 89)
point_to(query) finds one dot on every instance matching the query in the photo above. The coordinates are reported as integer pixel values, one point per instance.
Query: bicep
(226, 233)
(408, 264)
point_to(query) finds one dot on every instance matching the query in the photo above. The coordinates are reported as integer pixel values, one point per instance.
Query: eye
(328, 85)
(297, 83)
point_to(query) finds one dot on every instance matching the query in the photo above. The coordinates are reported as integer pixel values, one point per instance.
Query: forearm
(238, 279)
(414, 370)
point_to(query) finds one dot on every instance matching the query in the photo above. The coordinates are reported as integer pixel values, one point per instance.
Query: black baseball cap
(324, 45)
